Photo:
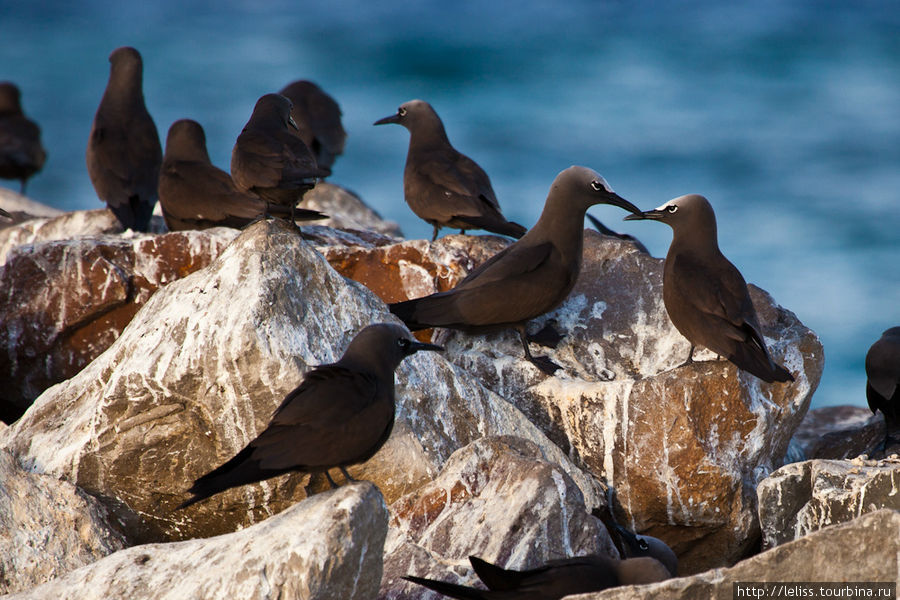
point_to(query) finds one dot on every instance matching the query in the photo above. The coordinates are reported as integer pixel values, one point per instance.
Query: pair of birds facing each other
(21, 152)
(705, 295)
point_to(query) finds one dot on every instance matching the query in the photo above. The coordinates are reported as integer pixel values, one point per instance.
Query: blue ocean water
(785, 114)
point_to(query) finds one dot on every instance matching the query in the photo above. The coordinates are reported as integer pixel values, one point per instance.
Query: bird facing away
(269, 160)
(340, 415)
(557, 578)
(123, 151)
(528, 278)
(21, 152)
(705, 295)
(318, 119)
(194, 194)
(883, 384)
(443, 186)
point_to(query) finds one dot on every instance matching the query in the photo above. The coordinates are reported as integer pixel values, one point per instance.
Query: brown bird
(270, 161)
(318, 119)
(194, 194)
(123, 151)
(883, 384)
(528, 278)
(21, 152)
(442, 186)
(554, 580)
(340, 415)
(705, 295)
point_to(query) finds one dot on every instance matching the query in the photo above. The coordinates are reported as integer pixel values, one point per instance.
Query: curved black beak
(617, 200)
(420, 346)
(655, 215)
(395, 118)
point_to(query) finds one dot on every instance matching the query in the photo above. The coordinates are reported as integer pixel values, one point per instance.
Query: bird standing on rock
(883, 382)
(528, 278)
(443, 186)
(318, 119)
(21, 152)
(195, 194)
(268, 160)
(340, 415)
(705, 295)
(123, 152)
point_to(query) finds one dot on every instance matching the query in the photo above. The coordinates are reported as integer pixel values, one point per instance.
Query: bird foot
(548, 336)
(347, 475)
(545, 364)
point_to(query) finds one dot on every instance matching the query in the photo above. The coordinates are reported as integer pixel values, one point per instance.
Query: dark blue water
(786, 115)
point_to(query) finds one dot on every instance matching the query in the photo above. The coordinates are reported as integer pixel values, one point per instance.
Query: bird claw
(547, 336)
(545, 364)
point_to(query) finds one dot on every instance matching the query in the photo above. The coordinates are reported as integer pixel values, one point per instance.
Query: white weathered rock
(47, 528)
(497, 498)
(865, 549)
(326, 547)
(198, 372)
(801, 498)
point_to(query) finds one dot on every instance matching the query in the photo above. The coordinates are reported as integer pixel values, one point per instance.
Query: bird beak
(395, 118)
(655, 215)
(630, 539)
(617, 200)
(293, 123)
(420, 346)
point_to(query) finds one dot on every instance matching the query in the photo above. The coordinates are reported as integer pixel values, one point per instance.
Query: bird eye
(403, 343)
(642, 544)
(598, 187)
(401, 111)
(672, 208)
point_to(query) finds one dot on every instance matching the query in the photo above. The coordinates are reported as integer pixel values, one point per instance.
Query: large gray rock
(328, 546)
(198, 372)
(497, 498)
(801, 498)
(59, 226)
(865, 549)
(346, 210)
(47, 528)
(839, 432)
(683, 446)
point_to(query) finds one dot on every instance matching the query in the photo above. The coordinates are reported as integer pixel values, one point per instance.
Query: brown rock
(65, 302)
(497, 498)
(839, 432)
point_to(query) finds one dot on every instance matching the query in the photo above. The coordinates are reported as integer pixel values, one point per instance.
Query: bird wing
(259, 159)
(465, 187)
(195, 190)
(334, 417)
(127, 154)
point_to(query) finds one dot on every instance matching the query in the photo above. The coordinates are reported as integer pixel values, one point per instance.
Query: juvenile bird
(557, 578)
(528, 278)
(21, 152)
(194, 194)
(705, 295)
(443, 186)
(340, 415)
(318, 119)
(268, 160)
(883, 384)
(123, 151)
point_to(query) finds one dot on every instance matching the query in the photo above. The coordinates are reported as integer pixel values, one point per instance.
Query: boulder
(198, 371)
(684, 446)
(325, 547)
(61, 226)
(346, 210)
(64, 302)
(864, 550)
(839, 432)
(22, 208)
(497, 498)
(801, 498)
(47, 528)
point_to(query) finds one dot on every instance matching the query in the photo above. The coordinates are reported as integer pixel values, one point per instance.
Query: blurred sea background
(785, 114)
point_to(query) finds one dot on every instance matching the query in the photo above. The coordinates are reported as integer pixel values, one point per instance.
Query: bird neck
(428, 134)
(563, 227)
(692, 240)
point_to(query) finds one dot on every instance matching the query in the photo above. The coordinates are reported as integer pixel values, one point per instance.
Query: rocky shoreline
(141, 361)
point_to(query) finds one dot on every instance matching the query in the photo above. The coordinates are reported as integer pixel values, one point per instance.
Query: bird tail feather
(452, 590)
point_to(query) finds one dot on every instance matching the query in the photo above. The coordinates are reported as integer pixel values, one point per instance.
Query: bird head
(412, 114)
(692, 211)
(383, 346)
(586, 188)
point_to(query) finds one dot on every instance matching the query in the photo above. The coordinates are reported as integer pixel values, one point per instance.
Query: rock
(684, 447)
(22, 208)
(325, 547)
(192, 379)
(865, 549)
(65, 302)
(62, 226)
(346, 210)
(47, 528)
(839, 432)
(801, 498)
(497, 498)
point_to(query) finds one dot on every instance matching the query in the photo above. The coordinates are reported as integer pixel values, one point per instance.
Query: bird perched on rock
(340, 415)
(883, 384)
(123, 151)
(194, 194)
(21, 152)
(705, 295)
(443, 186)
(528, 278)
(318, 119)
(270, 161)
(557, 578)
